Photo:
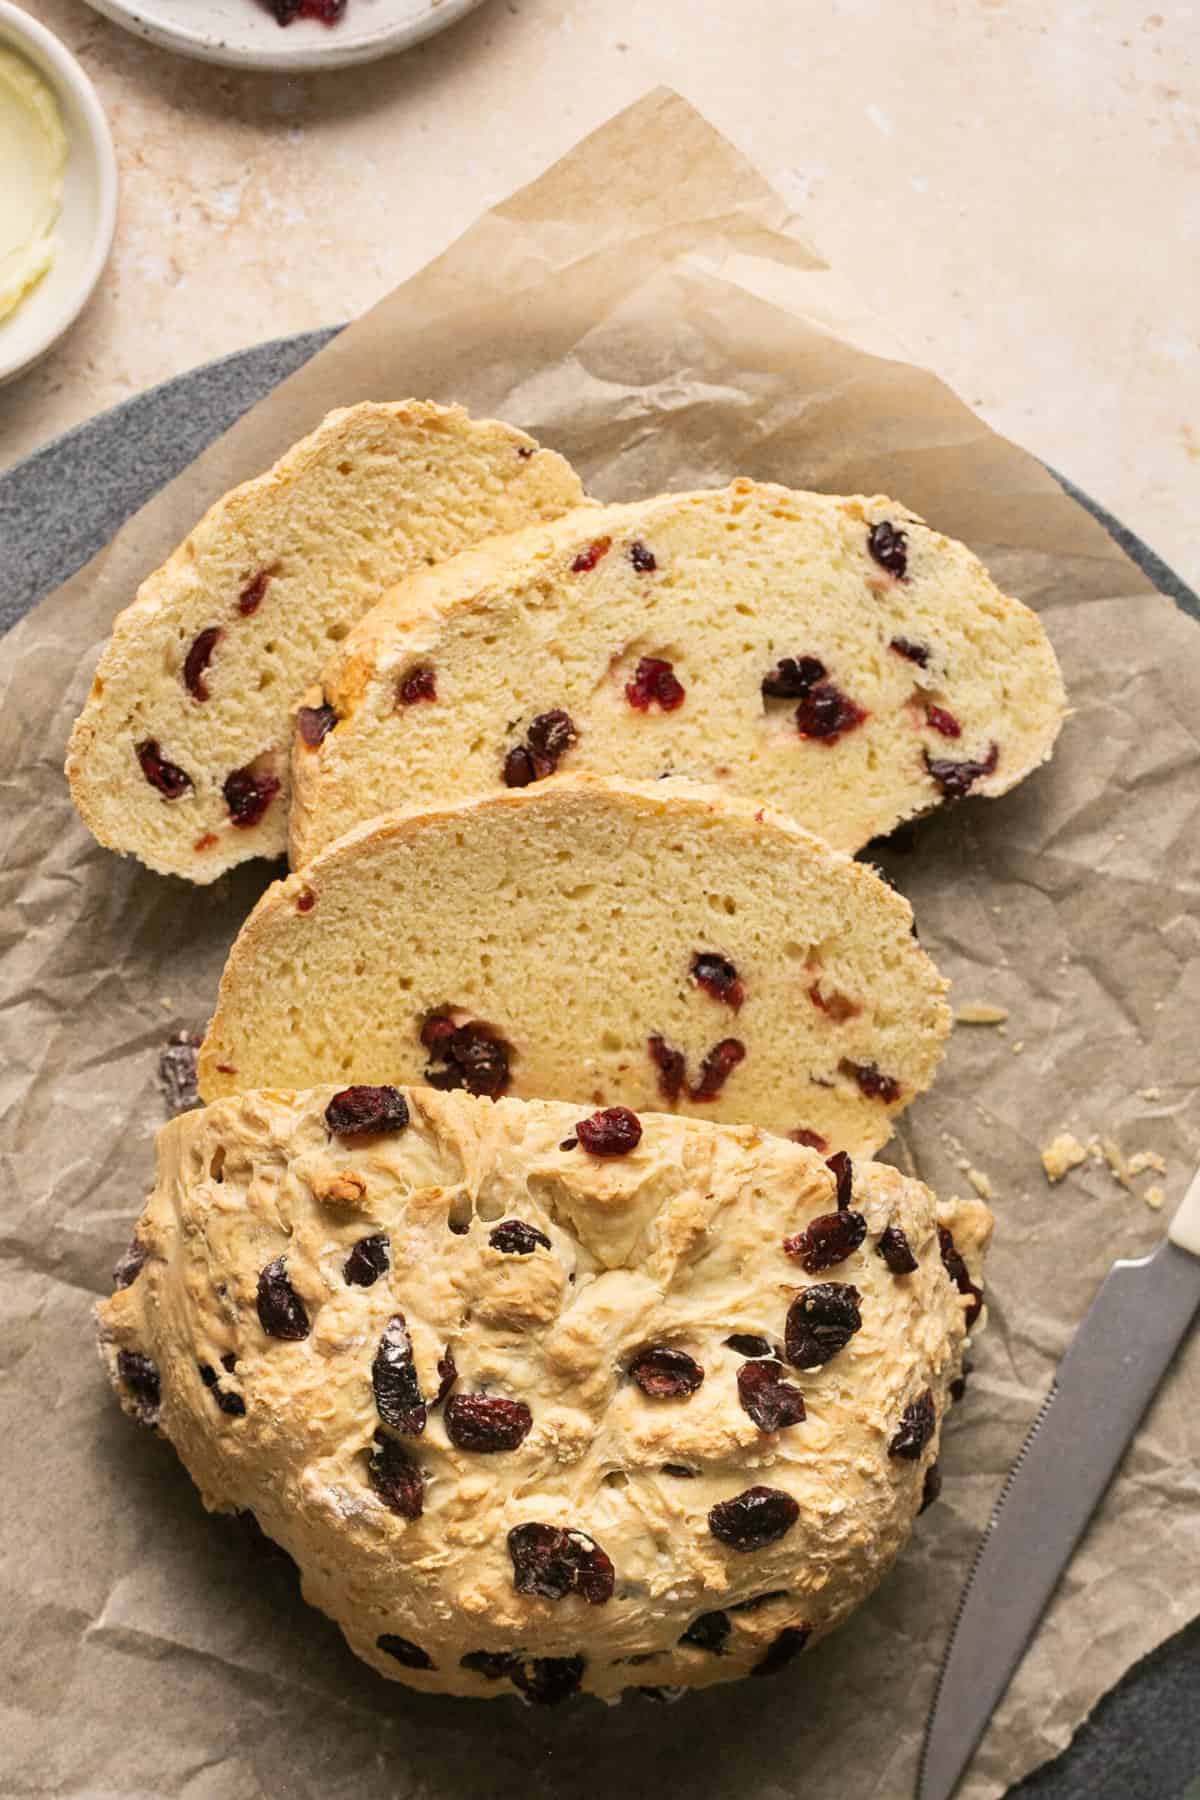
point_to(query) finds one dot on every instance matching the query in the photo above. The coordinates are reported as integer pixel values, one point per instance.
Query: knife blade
(1100, 1391)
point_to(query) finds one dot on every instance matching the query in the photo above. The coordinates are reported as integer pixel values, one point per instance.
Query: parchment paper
(645, 308)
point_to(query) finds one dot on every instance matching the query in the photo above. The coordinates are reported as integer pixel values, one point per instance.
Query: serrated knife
(1101, 1389)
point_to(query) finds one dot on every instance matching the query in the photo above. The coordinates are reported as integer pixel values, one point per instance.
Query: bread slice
(180, 756)
(417, 1354)
(835, 657)
(650, 945)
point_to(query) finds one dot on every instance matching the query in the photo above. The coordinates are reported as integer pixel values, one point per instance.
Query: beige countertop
(1016, 185)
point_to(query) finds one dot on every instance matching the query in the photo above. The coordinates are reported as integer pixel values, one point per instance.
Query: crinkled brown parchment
(644, 308)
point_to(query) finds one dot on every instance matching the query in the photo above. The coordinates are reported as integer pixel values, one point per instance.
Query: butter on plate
(33, 155)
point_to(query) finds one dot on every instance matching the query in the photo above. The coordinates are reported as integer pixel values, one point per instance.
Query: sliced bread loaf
(835, 657)
(180, 756)
(652, 945)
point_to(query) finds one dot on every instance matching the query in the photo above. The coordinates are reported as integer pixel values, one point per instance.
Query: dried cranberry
(248, 795)
(896, 1250)
(404, 1651)
(746, 1343)
(958, 778)
(171, 781)
(493, 1665)
(394, 1380)
(960, 1275)
(789, 1643)
(281, 1312)
(518, 767)
(367, 1261)
(250, 598)
(447, 1376)
(678, 1471)
(552, 1563)
(549, 737)
(709, 1632)
(918, 1423)
(793, 678)
(486, 1423)
(590, 556)
(754, 1518)
(363, 1111)
(196, 662)
(305, 900)
(671, 1065)
(943, 721)
(476, 1057)
(395, 1478)
(666, 1374)
(226, 1399)
(549, 1680)
(718, 977)
(772, 1402)
(418, 684)
(314, 723)
(139, 1375)
(826, 713)
(843, 1173)
(889, 547)
(821, 1321)
(827, 1240)
(718, 1064)
(613, 1132)
(129, 1265)
(874, 1084)
(836, 1006)
(643, 560)
(515, 1238)
(932, 1487)
(655, 682)
(915, 653)
(811, 1140)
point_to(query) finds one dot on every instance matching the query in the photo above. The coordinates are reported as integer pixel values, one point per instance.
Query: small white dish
(84, 232)
(242, 34)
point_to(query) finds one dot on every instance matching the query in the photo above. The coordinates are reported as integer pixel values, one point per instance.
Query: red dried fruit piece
(129, 1265)
(789, 1643)
(812, 1140)
(305, 900)
(889, 547)
(549, 1680)
(404, 1651)
(394, 1380)
(960, 1275)
(958, 778)
(793, 678)
(513, 1237)
(771, 1402)
(196, 662)
(709, 1632)
(643, 560)
(206, 840)
(590, 556)
(518, 767)
(829, 1239)
(359, 1111)
(613, 1132)
(281, 1312)
(549, 737)
(418, 684)
(896, 1251)
(139, 1376)
(874, 1084)
(171, 781)
(314, 723)
(229, 1402)
(918, 1422)
(666, 1374)
(718, 977)
(941, 720)
(486, 1424)
(655, 683)
(248, 795)
(367, 1261)
(552, 1562)
(915, 653)
(836, 1006)
(825, 713)
(754, 1518)
(447, 1376)
(493, 1665)
(476, 1057)
(821, 1321)
(718, 1064)
(843, 1173)
(932, 1487)
(671, 1065)
(250, 598)
(395, 1478)
(747, 1343)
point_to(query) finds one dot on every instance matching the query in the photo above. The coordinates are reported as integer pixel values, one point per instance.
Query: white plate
(243, 34)
(84, 232)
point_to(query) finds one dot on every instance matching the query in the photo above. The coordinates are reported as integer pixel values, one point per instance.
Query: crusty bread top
(206, 663)
(833, 656)
(629, 942)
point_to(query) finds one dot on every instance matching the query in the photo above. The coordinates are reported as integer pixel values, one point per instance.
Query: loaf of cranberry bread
(654, 945)
(542, 1401)
(180, 756)
(835, 657)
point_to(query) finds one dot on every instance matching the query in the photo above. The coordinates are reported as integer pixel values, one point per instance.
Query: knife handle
(1184, 1228)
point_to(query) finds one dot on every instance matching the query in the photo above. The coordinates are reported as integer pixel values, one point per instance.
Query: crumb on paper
(1150, 1093)
(980, 1183)
(1018, 1047)
(1154, 1198)
(1114, 1157)
(980, 1012)
(166, 1002)
(1061, 1154)
(1141, 1160)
